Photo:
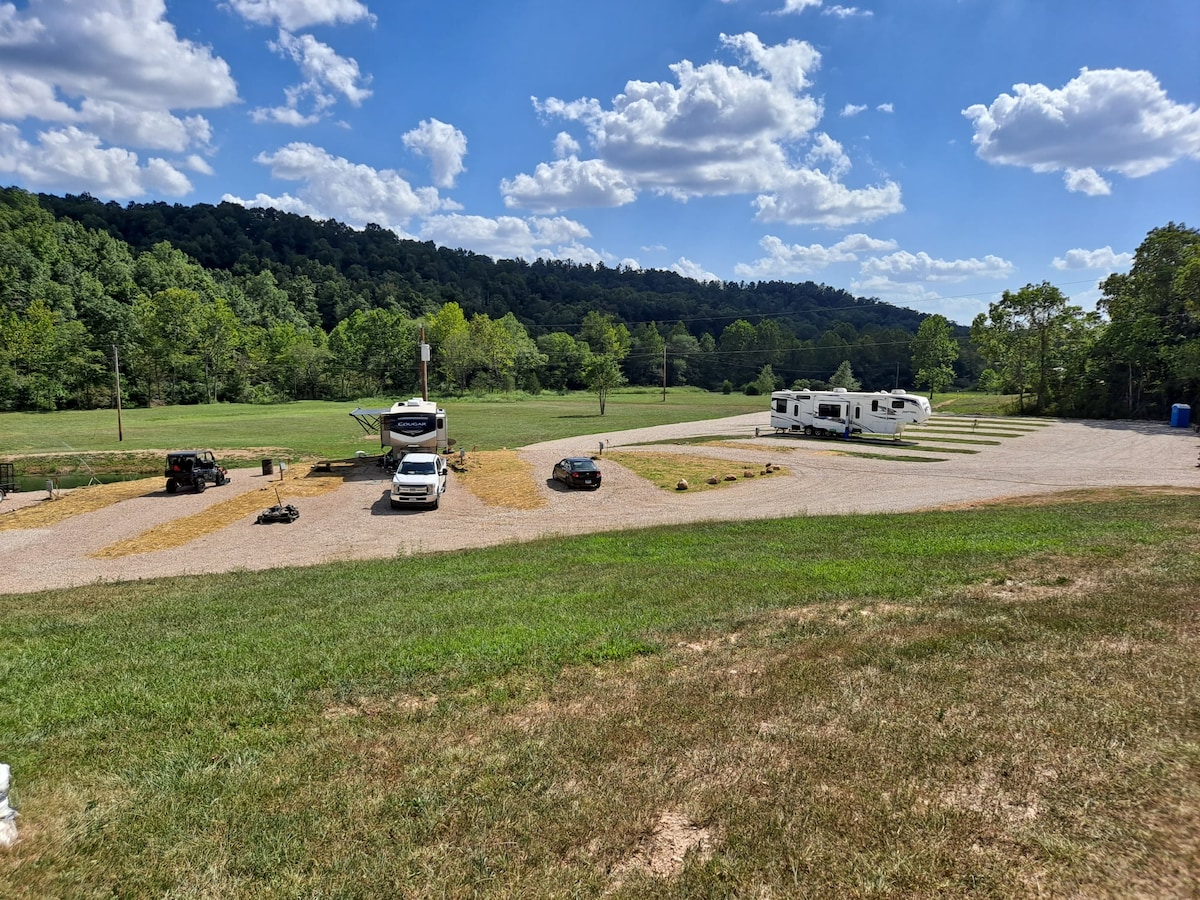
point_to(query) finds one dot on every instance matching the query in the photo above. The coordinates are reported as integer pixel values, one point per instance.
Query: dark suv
(194, 469)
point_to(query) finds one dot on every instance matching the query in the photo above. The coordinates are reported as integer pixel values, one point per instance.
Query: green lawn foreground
(993, 702)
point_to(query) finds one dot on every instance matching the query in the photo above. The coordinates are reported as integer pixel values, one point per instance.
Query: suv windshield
(416, 468)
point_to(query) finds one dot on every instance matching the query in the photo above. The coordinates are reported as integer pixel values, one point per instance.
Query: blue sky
(931, 153)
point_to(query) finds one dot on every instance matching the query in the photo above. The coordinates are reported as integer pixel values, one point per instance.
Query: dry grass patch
(370, 707)
(180, 531)
(500, 478)
(1079, 495)
(666, 470)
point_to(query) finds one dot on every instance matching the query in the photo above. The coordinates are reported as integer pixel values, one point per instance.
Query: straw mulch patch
(500, 478)
(180, 531)
(80, 500)
(747, 445)
(701, 473)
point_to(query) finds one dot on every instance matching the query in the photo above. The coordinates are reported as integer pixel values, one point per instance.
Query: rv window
(858, 412)
(897, 404)
(874, 406)
(829, 410)
(781, 406)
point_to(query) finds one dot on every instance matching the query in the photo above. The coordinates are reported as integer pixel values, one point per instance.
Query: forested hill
(350, 269)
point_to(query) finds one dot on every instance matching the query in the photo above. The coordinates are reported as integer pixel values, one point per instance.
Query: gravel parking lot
(356, 521)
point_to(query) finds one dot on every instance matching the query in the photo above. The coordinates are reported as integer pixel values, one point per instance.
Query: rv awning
(369, 418)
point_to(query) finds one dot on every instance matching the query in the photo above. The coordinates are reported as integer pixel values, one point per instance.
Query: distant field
(324, 430)
(970, 403)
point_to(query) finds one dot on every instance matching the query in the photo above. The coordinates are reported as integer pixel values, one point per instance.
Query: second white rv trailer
(842, 413)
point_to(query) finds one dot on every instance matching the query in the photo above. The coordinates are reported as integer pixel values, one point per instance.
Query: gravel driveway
(356, 522)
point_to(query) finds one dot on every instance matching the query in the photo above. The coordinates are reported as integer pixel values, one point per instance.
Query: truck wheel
(172, 486)
(200, 485)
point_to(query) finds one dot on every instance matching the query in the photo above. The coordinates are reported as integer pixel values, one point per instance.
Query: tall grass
(987, 703)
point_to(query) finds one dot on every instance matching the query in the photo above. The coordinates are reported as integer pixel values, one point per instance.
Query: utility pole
(424, 366)
(117, 375)
(664, 399)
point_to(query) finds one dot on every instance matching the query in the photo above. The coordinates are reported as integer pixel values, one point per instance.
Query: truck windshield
(416, 468)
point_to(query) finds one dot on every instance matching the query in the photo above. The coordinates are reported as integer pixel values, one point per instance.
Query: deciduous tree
(934, 351)
(603, 374)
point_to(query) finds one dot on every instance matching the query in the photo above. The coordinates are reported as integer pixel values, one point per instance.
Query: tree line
(1136, 356)
(73, 296)
(223, 303)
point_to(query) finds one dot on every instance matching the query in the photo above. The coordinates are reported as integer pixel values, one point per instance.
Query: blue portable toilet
(1181, 415)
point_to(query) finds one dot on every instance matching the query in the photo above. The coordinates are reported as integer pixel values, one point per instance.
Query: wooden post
(664, 399)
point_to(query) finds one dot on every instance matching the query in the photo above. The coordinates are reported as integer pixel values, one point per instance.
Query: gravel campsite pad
(348, 515)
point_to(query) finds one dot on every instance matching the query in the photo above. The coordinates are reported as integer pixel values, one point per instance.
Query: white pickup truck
(419, 480)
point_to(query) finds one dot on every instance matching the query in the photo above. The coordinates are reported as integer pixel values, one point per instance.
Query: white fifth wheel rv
(413, 425)
(841, 413)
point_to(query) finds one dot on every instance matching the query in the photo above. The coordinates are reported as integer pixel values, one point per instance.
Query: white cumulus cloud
(903, 266)
(293, 15)
(717, 130)
(568, 183)
(332, 187)
(444, 146)
(325, 74)
(512, 237)
(69, 159)
(118, 51)
(1103, 120)
(785, 260)
(107, 76)
(693, 270)
(1103, 259)
(812, 197)
(1086, 181)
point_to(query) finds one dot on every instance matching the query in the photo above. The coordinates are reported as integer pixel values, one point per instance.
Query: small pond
(38, 482)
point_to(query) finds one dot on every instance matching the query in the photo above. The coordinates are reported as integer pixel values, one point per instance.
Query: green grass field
(324, 430)
(990, 703)
(63, 442)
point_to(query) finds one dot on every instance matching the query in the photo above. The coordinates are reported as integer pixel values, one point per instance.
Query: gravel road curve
(356, 522)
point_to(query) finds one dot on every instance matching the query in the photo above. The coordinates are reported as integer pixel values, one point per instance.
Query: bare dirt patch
(663, 852)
